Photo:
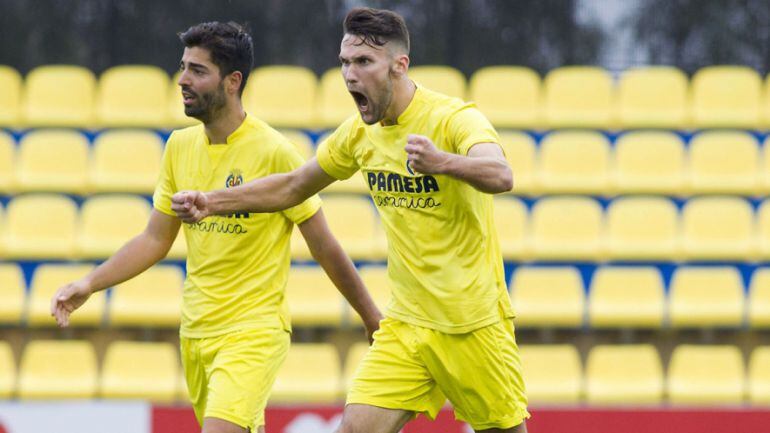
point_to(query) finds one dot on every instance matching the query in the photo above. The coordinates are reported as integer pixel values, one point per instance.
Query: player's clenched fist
(423, 156)
(190, 206)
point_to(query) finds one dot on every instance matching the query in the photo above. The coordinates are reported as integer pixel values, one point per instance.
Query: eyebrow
(194, 65)
(354, 58)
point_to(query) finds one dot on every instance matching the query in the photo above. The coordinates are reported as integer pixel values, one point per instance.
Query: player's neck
(231, 117)
(403, 92)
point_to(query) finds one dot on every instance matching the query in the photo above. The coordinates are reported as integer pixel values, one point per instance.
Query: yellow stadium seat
(53, 161)
(511, 227)
(718, 228)
(548, 296)
(12, 292)
(151, 299)
(301, 140)
(40, 226)
(133, 95)
(334, 101)
(7, 162)
(182, 394)
(126, 161)
(57, 370)
(574, 162)
(566, 228)
(108, 222)
(578, 96)
(46, 280)
(552, 373)
(296, 383)
(759, 299)
(10, 96)
(59, 95)
(134, 370)
(624, 374)
(763, 230)
(706, 297)
(442, 79)
(519, 149)
(642, 228)
(764, 170)
(706, 375)
(7, 371)
(353, 359)
(312, 297)
(653, 97)
(508, 95)
(282, 96)
(726, 97)
(626, 297)
(759, 376)
(724, 162)
(377, 283)
(176, 117)
(178, 250)
(649, 162)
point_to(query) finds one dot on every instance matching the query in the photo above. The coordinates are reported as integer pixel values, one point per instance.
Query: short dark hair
(229, 43)
(377, 27)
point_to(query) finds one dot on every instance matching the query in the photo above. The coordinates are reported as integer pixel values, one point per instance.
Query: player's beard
(207, 106)
(378, 100)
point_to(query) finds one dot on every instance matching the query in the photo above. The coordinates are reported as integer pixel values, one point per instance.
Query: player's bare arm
(137, 255)
(269, 194)
(485, 167)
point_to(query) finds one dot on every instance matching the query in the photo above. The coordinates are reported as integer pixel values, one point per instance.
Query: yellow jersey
(444, 259)
(237, 265)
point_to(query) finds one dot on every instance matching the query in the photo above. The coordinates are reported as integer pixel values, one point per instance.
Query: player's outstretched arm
(133, 258)
(268, 194)
(338, 266)
(485, 167)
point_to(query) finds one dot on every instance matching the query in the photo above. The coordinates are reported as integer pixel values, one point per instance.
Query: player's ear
(400, 64)
(233, 82)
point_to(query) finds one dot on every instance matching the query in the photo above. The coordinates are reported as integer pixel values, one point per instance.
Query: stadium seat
(566, 228)
(653, 97)
(508, 95)
(178, 250)
(706, 375)
(133, 96)
(134, 370)
(176, 117)
(40, 226)
(57, 370)
(10, 97)
(13, 294)
(108, 222)
(718, 228)
(520, 151)
(53, 161)
(296, 383)
(334, 101)
(759, 299)
(548, 297)
(151, 299)
(759, 376)
(439, 78)
(46, 280)
(312, 297)
(7, 371)
(723, 162)
(574, 162)
(626, 297)
(710, 296)
(301, 140)
(282, 96)
(763, 230)
(726, 97)
(182, 394)
(126, 161)
(552, 373)
(511, 227)
(642, 228)
(648, 162)
(378, 284)
(624, 374)
(764, 169)
(7, 162)
(578, 97)
(59, 95)
(353, 359)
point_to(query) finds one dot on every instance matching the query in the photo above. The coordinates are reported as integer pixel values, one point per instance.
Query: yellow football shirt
(237, 265)
(444, 258)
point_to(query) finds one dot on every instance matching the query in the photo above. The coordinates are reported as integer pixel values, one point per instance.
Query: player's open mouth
(188, 97)
(362, 102)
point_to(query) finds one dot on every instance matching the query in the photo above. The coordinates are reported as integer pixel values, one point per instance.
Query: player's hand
(190, 206)
(423, 156)
(67, 299)
(371, 326)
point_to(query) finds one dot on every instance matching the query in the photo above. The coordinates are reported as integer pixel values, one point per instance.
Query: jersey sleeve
(334, 154)
(287, 159)
(469, 127)
(166, 186)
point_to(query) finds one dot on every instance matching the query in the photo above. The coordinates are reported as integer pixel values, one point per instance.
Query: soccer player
(235, 326)
(431, 163)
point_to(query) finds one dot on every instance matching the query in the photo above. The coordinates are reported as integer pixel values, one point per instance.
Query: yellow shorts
(416, 369)
(230, 376)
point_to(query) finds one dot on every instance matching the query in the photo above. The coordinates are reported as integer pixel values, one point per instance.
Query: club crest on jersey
(235, 179)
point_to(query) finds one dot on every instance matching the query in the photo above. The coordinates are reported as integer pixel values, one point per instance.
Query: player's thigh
(216, 425)
(362, 418)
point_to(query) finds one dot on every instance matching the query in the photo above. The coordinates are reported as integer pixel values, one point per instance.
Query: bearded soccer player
(235, 326)
(431, 163)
